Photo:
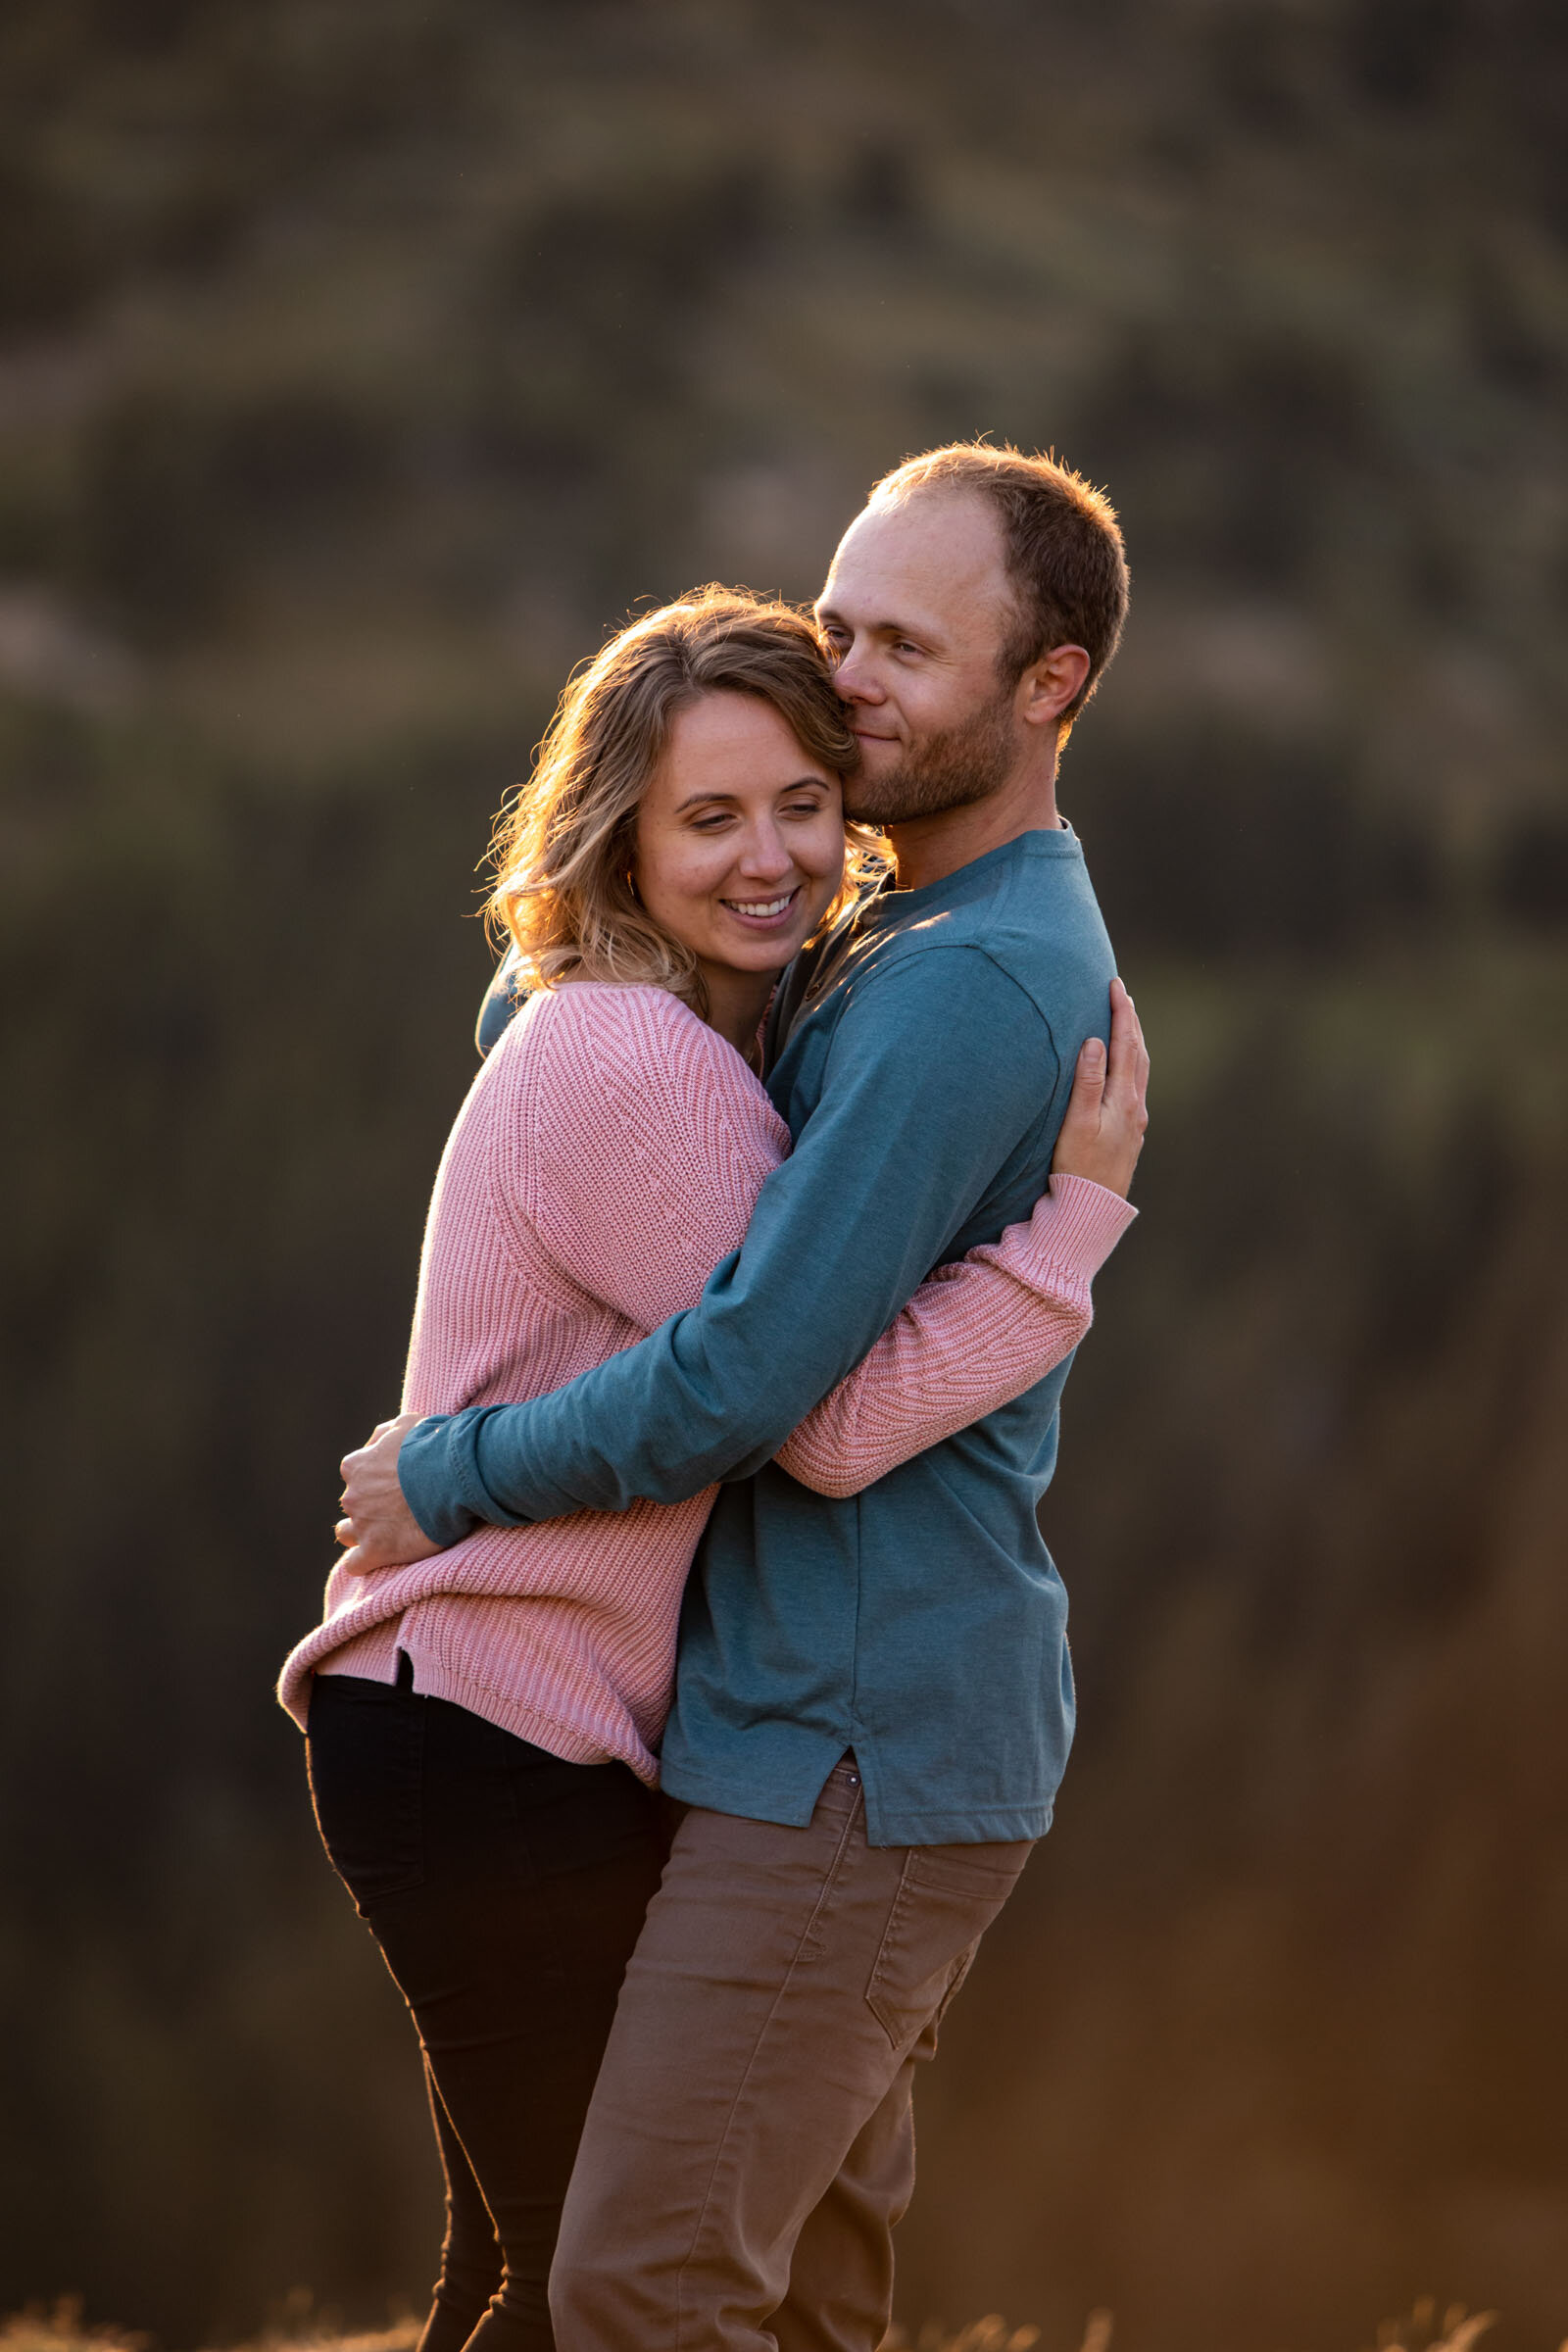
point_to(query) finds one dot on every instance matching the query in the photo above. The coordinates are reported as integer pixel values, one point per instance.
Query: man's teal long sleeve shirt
(922, 1064)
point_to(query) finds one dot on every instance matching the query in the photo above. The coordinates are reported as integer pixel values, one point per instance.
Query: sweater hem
(533, 1724)
(536, 1725)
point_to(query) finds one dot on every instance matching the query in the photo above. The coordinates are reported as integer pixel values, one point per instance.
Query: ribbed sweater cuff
(1088, 1223)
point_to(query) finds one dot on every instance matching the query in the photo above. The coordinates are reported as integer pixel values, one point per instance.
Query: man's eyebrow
(882, 628)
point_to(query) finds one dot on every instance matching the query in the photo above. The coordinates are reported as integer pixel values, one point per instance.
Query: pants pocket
(366, 1752)
(947, 1898)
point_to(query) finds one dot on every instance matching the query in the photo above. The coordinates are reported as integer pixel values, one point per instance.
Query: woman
(482, 1725)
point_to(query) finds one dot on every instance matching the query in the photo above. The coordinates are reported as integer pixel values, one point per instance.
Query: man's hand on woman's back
(377, 1526)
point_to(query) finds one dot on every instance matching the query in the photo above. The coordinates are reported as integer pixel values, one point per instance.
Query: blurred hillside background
(359, 367)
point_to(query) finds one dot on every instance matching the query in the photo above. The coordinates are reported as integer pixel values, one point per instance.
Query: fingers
(344, 1531)
(382, 1429)
(1126, 1033)
(362, 1561)
(1127, 1084)
(1088, 1081)
(1077, 1141)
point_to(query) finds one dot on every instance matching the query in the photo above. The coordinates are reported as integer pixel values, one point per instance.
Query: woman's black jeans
(506, 1890)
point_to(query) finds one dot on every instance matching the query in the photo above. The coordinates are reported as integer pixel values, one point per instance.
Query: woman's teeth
(759, 908)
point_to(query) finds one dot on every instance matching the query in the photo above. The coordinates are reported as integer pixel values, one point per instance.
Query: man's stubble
(953, 769)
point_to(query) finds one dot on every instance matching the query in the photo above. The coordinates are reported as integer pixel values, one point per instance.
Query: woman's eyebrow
(696, 799)
(727, 799)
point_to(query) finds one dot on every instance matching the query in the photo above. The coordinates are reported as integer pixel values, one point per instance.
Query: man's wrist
(438, 1472)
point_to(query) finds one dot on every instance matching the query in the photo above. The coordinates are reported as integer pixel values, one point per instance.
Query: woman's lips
(765, 914)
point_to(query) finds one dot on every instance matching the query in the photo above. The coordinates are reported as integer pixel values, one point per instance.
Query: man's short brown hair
(1061, 545)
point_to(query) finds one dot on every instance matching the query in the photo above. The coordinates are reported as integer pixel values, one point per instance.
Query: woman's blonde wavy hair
(564, 845)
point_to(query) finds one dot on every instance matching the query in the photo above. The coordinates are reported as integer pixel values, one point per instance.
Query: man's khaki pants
(751, 2144)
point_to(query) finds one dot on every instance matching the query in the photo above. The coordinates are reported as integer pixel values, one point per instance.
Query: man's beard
(963, 765)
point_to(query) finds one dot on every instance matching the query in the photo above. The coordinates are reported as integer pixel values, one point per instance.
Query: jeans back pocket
(947, 1898)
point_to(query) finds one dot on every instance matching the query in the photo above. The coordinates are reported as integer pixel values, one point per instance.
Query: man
(874, 1700)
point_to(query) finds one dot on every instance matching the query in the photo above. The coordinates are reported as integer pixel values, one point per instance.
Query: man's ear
(1051, 684)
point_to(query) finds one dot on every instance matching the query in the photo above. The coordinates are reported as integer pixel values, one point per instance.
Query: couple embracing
(694, 1682)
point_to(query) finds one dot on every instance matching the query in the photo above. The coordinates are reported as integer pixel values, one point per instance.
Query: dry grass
(299, 2329)
(991, 2335)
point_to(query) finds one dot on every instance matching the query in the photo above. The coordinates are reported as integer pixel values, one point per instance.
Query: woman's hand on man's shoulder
(1107, 1114)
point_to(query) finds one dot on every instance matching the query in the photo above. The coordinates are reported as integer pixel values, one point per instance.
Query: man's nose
(853, 679)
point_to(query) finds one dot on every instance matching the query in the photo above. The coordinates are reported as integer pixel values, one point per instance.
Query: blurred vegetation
(358, 369)
(298, 2327)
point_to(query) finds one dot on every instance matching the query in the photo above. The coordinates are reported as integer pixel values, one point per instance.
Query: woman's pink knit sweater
(608, 1155)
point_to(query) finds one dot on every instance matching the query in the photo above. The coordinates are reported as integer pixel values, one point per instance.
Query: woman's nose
(766, 856)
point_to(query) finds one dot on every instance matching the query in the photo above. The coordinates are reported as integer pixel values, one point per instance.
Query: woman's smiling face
(740, 837)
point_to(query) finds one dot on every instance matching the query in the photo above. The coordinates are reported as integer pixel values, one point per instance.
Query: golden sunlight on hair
(562, 845)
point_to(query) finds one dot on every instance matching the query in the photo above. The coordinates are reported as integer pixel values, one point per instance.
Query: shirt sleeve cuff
(438, 1470)
(1087, 1224)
